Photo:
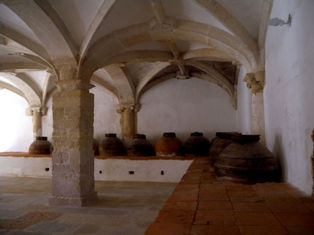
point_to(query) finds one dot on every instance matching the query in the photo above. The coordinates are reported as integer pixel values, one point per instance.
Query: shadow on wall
(278, 152)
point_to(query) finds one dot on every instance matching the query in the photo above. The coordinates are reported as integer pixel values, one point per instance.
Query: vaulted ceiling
(129, 46)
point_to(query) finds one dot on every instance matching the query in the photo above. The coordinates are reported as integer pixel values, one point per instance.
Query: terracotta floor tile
(175, 217)
(168, 229)
(289, 206)
(189, 206)
(179, 196)
(221, 218)
(243, 193)
(214, 230)
(215, 205)
(296, 219)
(310, 205)
(300, 230)
(239, 187)
(213, 187)
(187, 187)
(250, 207)
(250, 218)
(262, 230)
(247, 199)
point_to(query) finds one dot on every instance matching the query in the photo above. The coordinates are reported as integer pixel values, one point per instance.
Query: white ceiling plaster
(190, 10)
(77, 15)
(248, 12)
(125, 13)
(11, 20)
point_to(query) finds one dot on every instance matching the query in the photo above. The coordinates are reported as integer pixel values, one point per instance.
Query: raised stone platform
(139, 169)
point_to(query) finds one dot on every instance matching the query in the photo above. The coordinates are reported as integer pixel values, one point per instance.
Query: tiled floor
(123, 208)
(199, 205)
(203, 205)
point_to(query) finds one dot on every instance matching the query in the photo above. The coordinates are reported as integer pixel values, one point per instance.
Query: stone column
(36, 114)
(73, 158)
(128, 120)
(255, 82)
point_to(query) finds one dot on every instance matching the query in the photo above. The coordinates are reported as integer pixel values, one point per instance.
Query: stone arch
(120, 40)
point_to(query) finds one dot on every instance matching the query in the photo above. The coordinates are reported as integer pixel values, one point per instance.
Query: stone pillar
(128, 120)
(73, 158)
(36, 113)
(255, 82)
(37, 122)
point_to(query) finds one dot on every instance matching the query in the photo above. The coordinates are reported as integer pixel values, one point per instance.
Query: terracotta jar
(168, 145)
(196, 145)
(247, 160)
(111, 145)
(219, 143)
(41, 145)
(140, 146)
(95, 147)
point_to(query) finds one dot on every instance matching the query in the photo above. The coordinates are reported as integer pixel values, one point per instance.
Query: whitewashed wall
(16, 132)
(185, 106)
(289, 91)
(244, 105)
(106, 118)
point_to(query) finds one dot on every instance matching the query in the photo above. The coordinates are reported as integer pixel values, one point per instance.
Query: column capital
(73, 84)
(36, 109)
(255, 81)
(123, 107)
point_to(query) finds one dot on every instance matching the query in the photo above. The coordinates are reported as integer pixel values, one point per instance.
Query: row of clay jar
(167, 146)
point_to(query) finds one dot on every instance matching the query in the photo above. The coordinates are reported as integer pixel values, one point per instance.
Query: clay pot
(168, 145)
(41, 145)
(196, 145)
(111, 145)
(247, 160)
(95, 147)
(139, 146)
(219, 143)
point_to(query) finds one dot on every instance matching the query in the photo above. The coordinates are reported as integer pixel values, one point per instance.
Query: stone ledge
(25, 154)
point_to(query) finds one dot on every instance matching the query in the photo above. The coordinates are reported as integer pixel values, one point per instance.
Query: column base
(73, 201)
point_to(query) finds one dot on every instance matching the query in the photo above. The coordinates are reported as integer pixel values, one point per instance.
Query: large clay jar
(95, 147)
(247, 160)
(219, 143)
(112, 146)
(140, 146)
(196, 145)
(41, 145)
(168, 145)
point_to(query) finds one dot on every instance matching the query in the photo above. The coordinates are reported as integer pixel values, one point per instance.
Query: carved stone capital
(255, 81)
(73, 84)
(123, 107)
(30, 111)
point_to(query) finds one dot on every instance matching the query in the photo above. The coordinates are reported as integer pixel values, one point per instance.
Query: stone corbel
(255, 81)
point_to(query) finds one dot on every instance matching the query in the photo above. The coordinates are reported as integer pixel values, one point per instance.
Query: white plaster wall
(244, 104)
(16, 130)
(185, 106)
(105, 170)
(106, 118)
(288, 97)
